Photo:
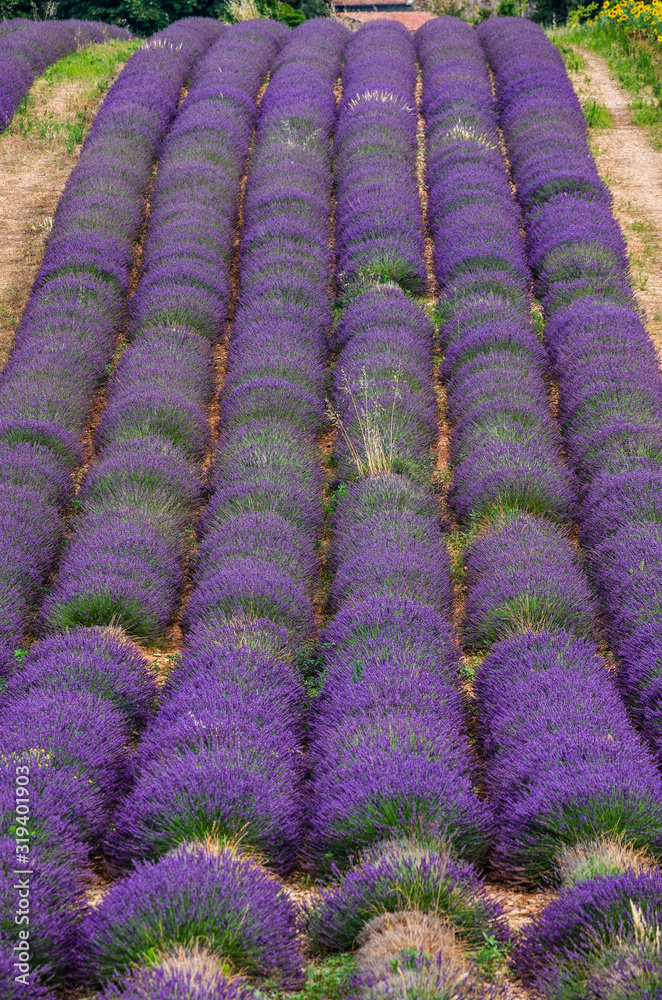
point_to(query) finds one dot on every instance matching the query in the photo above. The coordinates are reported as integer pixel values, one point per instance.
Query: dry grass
(388, 935)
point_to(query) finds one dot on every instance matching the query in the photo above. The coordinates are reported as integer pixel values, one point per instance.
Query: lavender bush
(389, 752)
(222, 754)
(525, 576)
(599, 939)
(222, 757)
(183, 974)
(398, 877)
(378, 223)
(504, 450)
(100, 662)
(564, 762)
(195, 892)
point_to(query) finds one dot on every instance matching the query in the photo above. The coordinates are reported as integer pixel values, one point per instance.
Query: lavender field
(331, 548)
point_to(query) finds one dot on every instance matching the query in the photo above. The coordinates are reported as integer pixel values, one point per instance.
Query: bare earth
(633, 170)
(33, 172)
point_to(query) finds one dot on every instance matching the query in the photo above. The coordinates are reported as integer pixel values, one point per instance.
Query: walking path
(632, 168)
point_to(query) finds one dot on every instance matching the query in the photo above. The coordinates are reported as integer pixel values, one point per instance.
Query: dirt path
(34, 166)
(633, 170)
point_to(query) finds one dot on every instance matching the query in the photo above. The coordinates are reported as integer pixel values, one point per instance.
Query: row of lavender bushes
(70, 327)
(72, 711)
(217, 807)
(522, 573)
(610, 387)
(601, 937)
(395, 821)
(27, 48)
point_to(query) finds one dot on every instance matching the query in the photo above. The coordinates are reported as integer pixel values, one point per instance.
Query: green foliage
(491, 955)
(330, 979)
(582, 14)
(144, 17)
(597, 115)
(573, 60)
(507, 8)
(449, 8)
(289, 15)
(637, 65)
(102, 607)
(553, 12)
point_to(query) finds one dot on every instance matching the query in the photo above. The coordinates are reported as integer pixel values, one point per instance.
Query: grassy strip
(90, 73)
(633, 60)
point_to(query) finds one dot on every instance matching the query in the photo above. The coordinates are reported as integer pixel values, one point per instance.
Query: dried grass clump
(389, 936)
(605, 855)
